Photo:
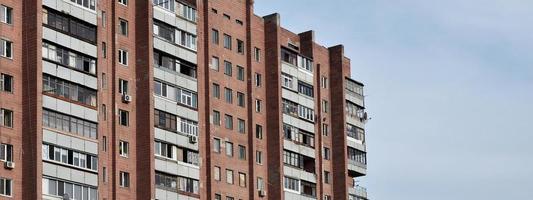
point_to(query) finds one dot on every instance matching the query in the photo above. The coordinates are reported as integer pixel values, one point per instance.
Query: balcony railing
(360, 191)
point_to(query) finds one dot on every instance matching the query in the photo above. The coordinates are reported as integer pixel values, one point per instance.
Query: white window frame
(123, 149)
(4, 46)
(3, 113)
(6, 152)
(123, 57)
(3, 78)
(7, 187)
(123, 2)
(6, 14)
(125, 179)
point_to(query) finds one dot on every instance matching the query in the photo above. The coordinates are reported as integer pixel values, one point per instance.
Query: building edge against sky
(164, 99)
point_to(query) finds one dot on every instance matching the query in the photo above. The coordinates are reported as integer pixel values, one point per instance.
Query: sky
(449, 88)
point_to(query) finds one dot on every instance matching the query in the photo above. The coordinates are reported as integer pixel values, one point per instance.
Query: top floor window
(90, 4)
(353, 87)
(296, 60)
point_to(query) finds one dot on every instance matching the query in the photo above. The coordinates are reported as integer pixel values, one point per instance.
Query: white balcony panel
(355, 121)
(357, 144)
(176, 50)
(72, 9)
(70, 174)
(356, 166)
(173, 108)
(70, 42)
(177, 168)
(70, 142)
(295, 196)
(304, 150)
(70, 75)
(174, 20)
(181, 140)
(161, 194)
(298, 98)
(355, 98)
(70, 108)
(176, 78)
(299, 174)
(297, 73)
(299, 123)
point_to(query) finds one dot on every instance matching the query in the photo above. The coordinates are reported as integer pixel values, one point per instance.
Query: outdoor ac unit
(193, 139)
(9, 165)
(126, 98)
(261, 193)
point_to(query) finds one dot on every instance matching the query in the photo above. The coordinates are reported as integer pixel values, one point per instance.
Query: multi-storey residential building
(166, 99)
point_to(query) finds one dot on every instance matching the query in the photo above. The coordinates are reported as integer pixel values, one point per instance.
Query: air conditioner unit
(193, 139)
(9, 165)
(126, 98)
(261, 193)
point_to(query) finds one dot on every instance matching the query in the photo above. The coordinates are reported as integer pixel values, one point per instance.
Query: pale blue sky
(449, 87)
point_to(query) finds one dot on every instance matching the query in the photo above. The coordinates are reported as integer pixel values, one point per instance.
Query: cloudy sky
(449, 87)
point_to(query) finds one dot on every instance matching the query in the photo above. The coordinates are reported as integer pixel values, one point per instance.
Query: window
(259, 157)
(228, 121)
(260, 184)
(240, 46)
(306, 113)
(124, 179)
(188, 185)
(186, 39)
(104, 143)
(187, 12)
(169, 62)
(69, 25)
(123, 27)
(242, 152)
(6, 83)
(293, 159)
(258, 131)
(68, 58)
(327, 153)
(289, 107)
(356, 155)
(166, 4)
(354, 87)
(215, 63)
(325, 130)
(122, 86)
(218, 197)
(6, 118)
(104, 50)
(299, 136)
(214, 36)
(70, 157)
(164, 31)
(241, 125)
(104, 81)
(214, 10)
(355, 132)
(216, 118)
(228, 68)
(104, 18)
(181, 96)
(6, 186)
(66, 123)
(242, 179)
(123, 57)
(103, 110)
(123, 117)
(216, 145)
(165, 121)
(239, 22)
(104, 174)
(324, 82)
(216, 172)
(228, 94)
(240, 99)
(229, 176)
(229, 149)
(240, 73)
(354, 110)
(257, 54)
(292, 184)
(216, 91)
(258, 80)
(258, 105)
(229, 198)
(73, 190)
(227, 41)
(123, 2)
(305, 89)
(188, 127)
(6, 14)
(6, 48)
(327, 177)
(226, 16)
(6, 152)
(123, 148)
(325, 106)
(327, 197)
(286, 81)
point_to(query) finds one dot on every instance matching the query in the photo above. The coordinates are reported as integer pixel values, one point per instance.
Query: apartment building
(173, 99)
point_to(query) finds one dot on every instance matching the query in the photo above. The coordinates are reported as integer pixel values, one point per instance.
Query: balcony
(356, 162)
(357, 193)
